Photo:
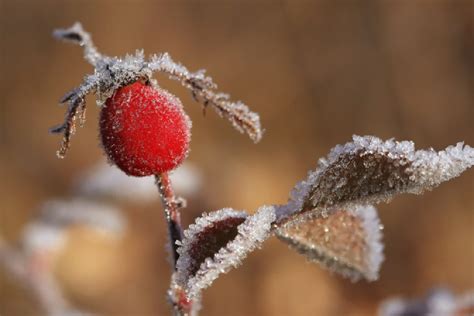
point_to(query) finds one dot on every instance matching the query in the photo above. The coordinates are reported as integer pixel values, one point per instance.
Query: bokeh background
(316, 71)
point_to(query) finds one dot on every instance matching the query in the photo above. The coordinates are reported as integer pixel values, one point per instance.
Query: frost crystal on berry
(112, 73)
(144, 130)
(216, 243)
(346, 241)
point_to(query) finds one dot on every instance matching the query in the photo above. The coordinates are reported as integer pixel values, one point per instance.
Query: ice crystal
(112, 73)
(216, 243)
(439, 302)
(347, 241)
(369, 170)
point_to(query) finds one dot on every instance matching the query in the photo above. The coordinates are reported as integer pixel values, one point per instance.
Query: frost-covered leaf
(346, 241)
(216, 243)
(369, 170)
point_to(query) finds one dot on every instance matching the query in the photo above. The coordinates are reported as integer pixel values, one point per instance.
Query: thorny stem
(172, 204)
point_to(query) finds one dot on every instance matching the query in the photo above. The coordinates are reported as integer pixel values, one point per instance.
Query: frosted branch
(111, 73)
(76, 35)
(76, 108)
(203, 89)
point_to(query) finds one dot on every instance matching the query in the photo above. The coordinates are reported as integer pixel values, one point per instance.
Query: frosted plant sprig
(329, 218)
(329, 210)
(203, 90)
(111, 73)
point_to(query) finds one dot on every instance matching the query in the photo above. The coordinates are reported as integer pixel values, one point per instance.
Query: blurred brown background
(316, 71)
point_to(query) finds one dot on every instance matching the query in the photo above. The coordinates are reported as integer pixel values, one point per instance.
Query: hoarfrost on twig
(216, 243)
(203, 89)
(346, 241)
(111, 73)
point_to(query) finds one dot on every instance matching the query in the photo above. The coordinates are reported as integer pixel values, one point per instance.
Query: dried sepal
(76, 35)
(346, 241)
(76, 109)
(369, 170)
(111, 73)
(216, 243)
(203, 89)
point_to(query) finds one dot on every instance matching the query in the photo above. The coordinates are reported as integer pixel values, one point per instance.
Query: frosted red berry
(144, 130)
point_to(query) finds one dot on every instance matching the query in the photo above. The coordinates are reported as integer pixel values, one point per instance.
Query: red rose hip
(144, 130)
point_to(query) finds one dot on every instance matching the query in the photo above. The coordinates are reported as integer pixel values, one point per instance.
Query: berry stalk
(171, 205)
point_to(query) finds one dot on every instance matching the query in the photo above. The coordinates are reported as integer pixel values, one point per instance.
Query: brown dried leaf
(346, 241)
(216, 243)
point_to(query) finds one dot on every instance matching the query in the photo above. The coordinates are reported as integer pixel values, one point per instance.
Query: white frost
(350, 245)
(251, 234)
(369, 170)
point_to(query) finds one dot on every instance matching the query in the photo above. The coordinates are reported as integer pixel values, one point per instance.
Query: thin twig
(78, 36)
(172, 204)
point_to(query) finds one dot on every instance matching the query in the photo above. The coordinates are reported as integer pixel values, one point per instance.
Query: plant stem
(171, 205)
